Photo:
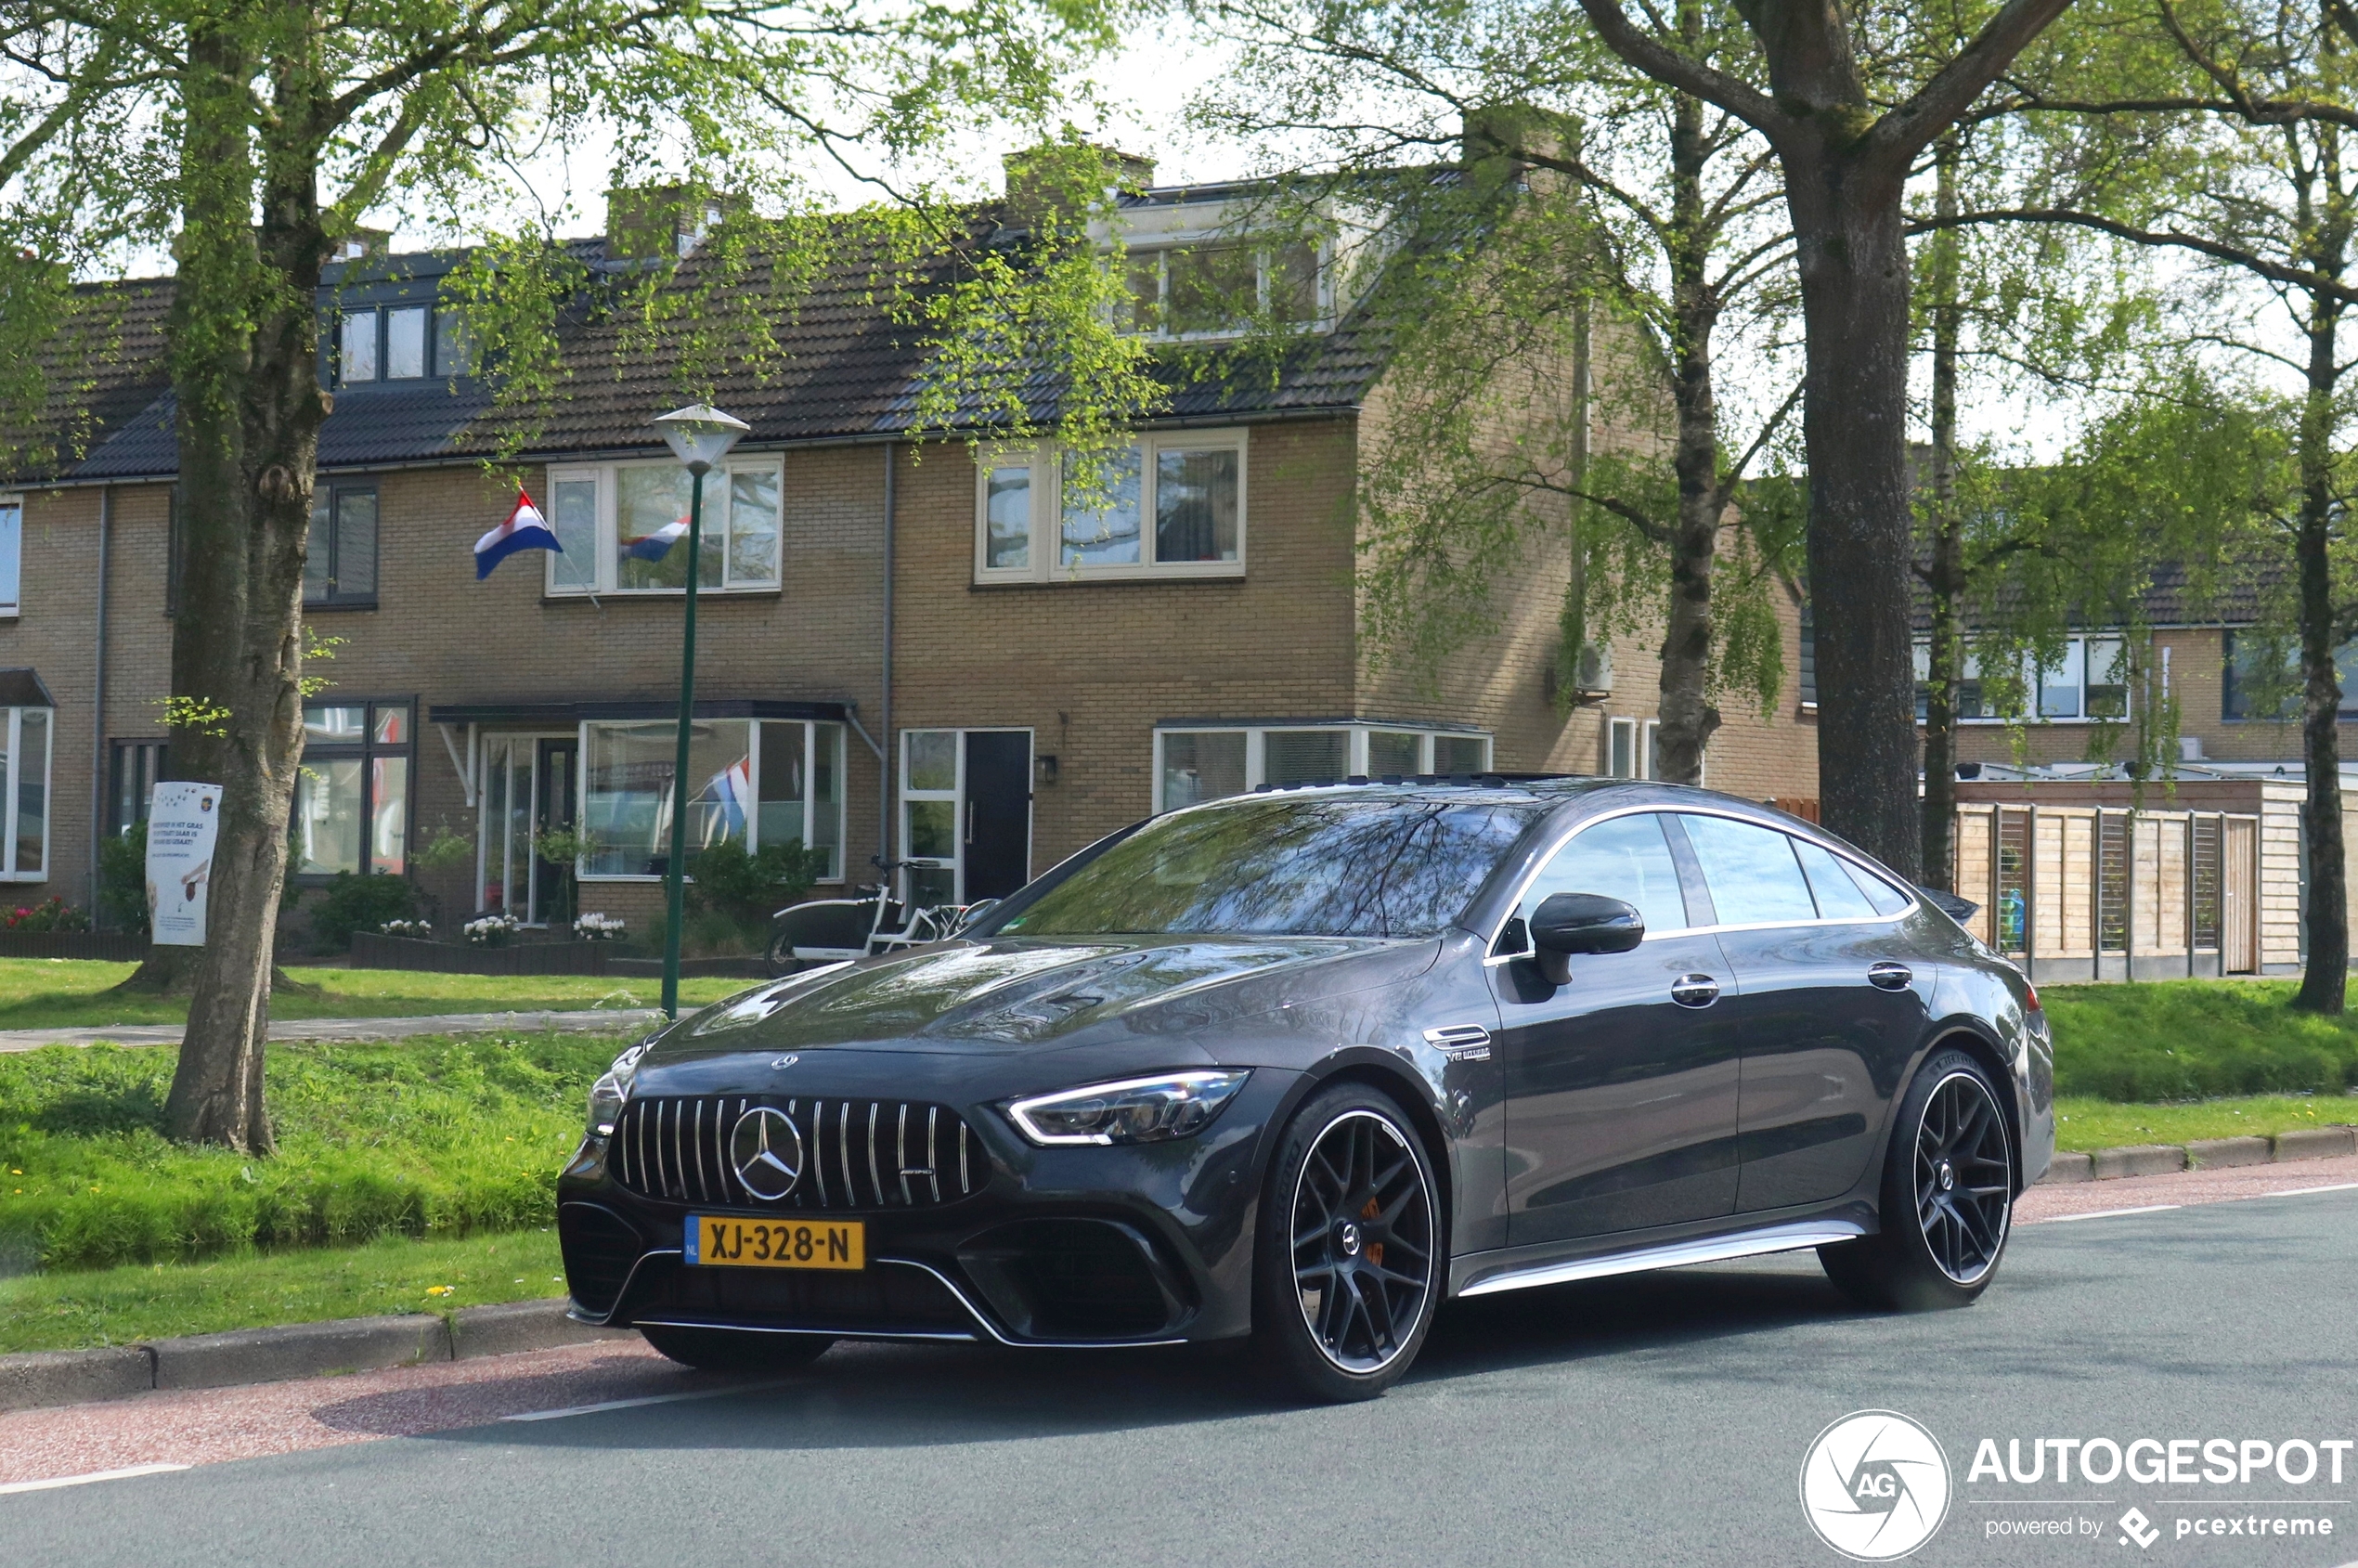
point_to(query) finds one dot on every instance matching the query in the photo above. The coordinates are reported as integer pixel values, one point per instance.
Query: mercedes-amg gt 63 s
(1304, 1064)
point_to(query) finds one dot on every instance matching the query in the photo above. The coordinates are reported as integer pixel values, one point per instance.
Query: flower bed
(372, 950)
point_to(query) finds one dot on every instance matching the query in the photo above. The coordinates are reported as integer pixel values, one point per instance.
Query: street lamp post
(699, 436)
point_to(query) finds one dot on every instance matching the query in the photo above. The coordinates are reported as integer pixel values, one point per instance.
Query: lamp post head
(700, 435)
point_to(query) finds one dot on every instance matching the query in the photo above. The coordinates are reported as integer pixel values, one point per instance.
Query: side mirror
(1565, 924)
(971, 914)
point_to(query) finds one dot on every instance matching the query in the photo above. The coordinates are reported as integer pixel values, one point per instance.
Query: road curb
(240, 1357)
(2161, 1159)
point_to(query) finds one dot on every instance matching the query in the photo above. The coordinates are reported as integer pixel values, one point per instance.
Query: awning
(22, 688)
(532, 713)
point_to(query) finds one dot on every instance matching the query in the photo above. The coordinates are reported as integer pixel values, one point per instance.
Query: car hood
(1008, 995)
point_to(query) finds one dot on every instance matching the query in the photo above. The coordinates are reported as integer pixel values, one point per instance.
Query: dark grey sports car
(1303, 1064)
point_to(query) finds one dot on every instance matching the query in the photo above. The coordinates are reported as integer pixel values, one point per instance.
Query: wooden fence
(2094, 892)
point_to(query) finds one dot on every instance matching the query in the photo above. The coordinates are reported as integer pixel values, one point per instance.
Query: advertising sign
(182, 822)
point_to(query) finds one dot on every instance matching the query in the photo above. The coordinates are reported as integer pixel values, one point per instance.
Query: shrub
(359, 903)
(750, 888)
(491, 930)
(2177, 1040)
(597, 927)
(122, 880)
(52, 914)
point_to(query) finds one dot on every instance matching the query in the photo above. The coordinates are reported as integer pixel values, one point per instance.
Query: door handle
(1694, 991)
(1889, 976)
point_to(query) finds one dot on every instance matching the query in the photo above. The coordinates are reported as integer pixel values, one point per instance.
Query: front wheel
(726, 1350)
(1948, 1197)
(1349, 1260)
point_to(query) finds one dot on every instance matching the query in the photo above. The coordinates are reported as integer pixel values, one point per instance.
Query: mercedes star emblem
(767, 1153)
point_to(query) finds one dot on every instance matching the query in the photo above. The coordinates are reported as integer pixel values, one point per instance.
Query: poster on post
(182, 820)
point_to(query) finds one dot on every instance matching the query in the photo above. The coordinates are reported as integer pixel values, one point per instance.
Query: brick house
(908, 648)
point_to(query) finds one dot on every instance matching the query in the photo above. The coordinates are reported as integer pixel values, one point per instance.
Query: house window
(133, 767)
(613, 521)
(406, 343)
(1194, 764)
(1622, 758)
(2262, 678)
(401, 343)
(2088, 678)
(1218, 288)
(757, 781)
(11, 551)
(24, 792)
(340, 562)
(1167, 506)
(454, 345)
(352, 793)
(356, 348)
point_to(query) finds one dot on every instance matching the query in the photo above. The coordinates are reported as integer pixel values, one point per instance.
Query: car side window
(1753, 878)
(1839, 896)
(1625, 858)
(1887, 899)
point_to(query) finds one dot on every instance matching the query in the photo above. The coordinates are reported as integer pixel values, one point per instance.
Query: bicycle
(831, 930)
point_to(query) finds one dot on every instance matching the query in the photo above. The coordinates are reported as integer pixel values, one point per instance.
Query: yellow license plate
(717, 1241)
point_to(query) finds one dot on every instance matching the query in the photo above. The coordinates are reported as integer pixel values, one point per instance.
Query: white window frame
(2095, 650)
(956, 862)
(1355, 754)
(716, 537)
(1046, 462)
(12, 602)
(753, 772)
(1264, 247)
(8, 797)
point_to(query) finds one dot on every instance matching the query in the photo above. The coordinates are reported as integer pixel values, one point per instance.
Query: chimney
(361, 244)
(660, 220)
(1069, 177)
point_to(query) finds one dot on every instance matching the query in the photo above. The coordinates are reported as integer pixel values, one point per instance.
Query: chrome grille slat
(676, 1147)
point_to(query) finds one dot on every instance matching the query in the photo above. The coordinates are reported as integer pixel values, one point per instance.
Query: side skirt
(1485, 1279)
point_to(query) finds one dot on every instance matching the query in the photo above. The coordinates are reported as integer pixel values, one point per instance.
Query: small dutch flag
(525, 529)
(655, 545)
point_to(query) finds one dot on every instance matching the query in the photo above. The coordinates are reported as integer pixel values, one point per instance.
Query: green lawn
(72, 993)
(433, 1136)
(77, 1308)
(2084, 1125)
(2189, 1040)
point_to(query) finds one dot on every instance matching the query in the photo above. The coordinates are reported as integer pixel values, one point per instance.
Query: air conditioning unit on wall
(1592, 672)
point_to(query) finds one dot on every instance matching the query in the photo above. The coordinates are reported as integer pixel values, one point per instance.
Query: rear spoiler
(1957, 909)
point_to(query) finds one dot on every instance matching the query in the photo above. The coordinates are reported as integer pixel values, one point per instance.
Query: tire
(778, 958)
(1351, 1198)
(725, 1350)
(1948, 1197)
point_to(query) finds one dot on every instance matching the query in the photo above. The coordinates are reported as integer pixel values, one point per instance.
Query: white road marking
(94, 1475)
(634, 1404)
(2108, 1213)
(2305, 1191)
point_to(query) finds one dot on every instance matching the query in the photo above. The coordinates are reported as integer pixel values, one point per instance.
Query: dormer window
(401, 343)
(1218, 288)
(356, 349)
(406, 343)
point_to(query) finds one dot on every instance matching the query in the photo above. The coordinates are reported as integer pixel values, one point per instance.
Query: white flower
(599, 927)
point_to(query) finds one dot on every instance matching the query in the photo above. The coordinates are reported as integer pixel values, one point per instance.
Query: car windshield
(1314, 866)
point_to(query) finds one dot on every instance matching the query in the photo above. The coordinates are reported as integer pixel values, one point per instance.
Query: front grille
(856, 1154)
(887, 1301)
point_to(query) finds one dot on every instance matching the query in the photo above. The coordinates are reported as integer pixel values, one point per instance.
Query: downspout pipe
(98, 691)
(884, 707)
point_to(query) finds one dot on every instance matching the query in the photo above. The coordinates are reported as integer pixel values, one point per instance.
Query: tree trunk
(1853, 262)
(2325, 980)
(244, 338)
(1945, 575)
(1688, 718)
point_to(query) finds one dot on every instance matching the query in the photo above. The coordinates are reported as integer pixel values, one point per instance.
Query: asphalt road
(1660, 1419)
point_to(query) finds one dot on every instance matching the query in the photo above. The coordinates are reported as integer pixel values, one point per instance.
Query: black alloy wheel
(1352, 1271)
(1946, 1200)
(1964, 1191)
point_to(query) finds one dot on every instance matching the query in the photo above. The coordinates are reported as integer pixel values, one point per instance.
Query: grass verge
(79, 1309)
(72, 993)
(2083, 1125)
(431, 1136)
(2189, 1040)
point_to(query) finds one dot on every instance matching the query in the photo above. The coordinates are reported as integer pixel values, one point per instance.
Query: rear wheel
(728, 1350)
(1350, 1260)
(1948, 1197)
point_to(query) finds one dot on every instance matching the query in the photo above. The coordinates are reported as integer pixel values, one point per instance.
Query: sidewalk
(594, 1021)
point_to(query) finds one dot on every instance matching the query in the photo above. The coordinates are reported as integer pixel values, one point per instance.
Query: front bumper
(1148, 1244)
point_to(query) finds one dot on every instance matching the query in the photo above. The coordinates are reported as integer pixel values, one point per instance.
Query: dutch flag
(525, 529)
(655, 545)
(731, 790)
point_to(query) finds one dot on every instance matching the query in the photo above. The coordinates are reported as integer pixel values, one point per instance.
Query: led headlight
(1136, 1110)
(612, 1089)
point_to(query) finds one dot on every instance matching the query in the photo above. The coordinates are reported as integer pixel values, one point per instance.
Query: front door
(1620, 1101)
(552, 883)
(965, 813)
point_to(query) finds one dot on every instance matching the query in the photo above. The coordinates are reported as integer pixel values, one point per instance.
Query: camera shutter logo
(1876, 1485)
(766, 1151)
